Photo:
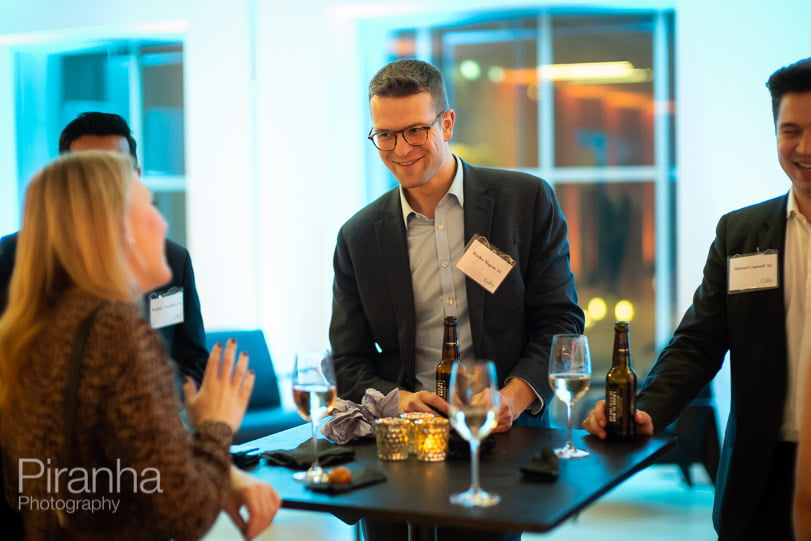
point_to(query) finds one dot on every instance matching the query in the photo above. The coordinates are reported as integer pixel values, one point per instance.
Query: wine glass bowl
(314, 394)
(569, 377)
(473, 410)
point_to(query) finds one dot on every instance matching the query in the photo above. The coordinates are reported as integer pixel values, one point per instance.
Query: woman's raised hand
(225, 390)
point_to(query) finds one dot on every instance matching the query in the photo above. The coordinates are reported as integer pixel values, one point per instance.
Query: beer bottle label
(619, 410)
(441, 389)
(613, 404)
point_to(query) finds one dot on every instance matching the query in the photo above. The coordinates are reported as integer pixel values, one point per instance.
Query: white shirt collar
(791, 208)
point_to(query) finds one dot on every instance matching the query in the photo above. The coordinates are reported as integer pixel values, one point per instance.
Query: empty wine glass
(474, 404)
(314, 393)
(569, 377)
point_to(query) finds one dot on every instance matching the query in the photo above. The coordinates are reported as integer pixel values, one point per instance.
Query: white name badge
(484, 264)
(752, 272)
(166, 308)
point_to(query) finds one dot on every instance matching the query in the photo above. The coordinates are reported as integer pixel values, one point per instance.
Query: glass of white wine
(474, 404)
(569, 377)
(314, 393)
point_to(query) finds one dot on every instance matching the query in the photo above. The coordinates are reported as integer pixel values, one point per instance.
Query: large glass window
(584, 100)
(141, 80)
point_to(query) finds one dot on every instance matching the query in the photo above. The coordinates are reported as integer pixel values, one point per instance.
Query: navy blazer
(185, 342)
(373, 326)
(751, 326)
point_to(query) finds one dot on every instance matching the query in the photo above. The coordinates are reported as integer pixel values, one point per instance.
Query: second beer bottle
(450, 355)
(620, 388)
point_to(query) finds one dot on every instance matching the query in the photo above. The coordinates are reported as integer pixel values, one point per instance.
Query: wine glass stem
(315, 465)
(569, 443)
(474, 465)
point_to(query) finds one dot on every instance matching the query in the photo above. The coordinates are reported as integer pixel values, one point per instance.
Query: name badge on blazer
(753, 272)
(485, 264)
(166, 307)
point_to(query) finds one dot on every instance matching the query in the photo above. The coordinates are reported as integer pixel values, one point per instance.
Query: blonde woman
(92, 243)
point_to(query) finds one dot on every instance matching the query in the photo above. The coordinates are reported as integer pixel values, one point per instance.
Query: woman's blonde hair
(73, 237)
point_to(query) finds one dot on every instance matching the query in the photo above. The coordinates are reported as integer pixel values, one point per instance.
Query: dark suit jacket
(373, 300)
(751, 326)
(185, 342)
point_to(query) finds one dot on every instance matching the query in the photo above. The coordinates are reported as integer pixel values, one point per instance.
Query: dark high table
(417, 492)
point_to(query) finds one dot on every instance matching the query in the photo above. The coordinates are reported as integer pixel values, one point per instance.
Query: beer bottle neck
(622, 351)
(450, 346)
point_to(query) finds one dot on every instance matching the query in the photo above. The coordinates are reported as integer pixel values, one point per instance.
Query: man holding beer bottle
(395, 261)
(752, 304)
(396, 275)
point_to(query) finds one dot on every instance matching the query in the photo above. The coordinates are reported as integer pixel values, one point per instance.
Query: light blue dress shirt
(434, 247)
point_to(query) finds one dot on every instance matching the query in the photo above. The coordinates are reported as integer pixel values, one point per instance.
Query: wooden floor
(654, 505)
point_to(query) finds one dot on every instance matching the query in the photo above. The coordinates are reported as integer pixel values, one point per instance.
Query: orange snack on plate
(340, 475)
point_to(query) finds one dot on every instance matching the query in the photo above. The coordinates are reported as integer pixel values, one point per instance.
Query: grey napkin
(545, 466)
(351, 421)
(301, 457)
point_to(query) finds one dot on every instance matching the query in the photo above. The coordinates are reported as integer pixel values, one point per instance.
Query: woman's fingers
(213, 364)
(227, 363)
(241, 369)
(221, 364)
(246, 388)
(226, 388)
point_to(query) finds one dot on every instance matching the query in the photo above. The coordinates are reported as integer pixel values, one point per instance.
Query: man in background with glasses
(395, 263)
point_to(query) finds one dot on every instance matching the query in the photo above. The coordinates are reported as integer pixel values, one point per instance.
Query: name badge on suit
(753, 272)
(166, 307)
(484, 263)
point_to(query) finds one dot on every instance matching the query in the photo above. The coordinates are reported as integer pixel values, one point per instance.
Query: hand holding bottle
(596, 421)
(422, 401)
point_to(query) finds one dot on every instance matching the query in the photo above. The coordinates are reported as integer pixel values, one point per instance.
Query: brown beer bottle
(450, 355)
(620, 388)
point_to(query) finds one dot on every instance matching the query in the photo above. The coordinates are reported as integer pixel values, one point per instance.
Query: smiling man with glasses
(395, 261)
(395, 273)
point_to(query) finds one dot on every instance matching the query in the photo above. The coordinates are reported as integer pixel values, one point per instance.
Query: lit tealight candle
(413, 417)
(432, 438)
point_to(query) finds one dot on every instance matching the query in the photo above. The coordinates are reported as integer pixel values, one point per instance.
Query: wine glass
(474, 404)
(569, 377)
(314, 394)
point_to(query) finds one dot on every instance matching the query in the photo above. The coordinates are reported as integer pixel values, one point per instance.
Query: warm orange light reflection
(620, 72)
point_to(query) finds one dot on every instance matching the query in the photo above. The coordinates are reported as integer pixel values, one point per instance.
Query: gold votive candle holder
(432, 435)
(412, 418)
(392, 434)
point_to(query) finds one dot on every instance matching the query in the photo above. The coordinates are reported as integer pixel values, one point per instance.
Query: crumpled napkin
(351, 421)
(545, 466)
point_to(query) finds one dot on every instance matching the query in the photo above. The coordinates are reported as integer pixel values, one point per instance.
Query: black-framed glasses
(415, 135)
